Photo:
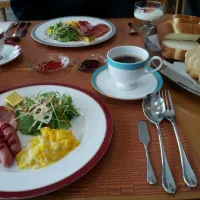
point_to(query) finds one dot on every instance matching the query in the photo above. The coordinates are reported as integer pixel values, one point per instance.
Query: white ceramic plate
(9, 53)
(39, 33)
(93, 128)
(103, 83)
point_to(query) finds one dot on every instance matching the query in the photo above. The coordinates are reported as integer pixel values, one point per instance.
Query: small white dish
(103, 83)
(9, 53)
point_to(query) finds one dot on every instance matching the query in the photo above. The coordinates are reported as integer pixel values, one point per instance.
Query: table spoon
(21, 25)
(132, 31)
(154, 109)
(23, 33)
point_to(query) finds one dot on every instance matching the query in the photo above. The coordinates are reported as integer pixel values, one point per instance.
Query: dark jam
(50, 65)
(89, 64)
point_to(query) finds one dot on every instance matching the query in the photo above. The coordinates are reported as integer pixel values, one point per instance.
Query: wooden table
(187, 105)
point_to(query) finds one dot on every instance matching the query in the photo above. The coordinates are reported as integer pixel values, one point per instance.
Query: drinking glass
(148, 11)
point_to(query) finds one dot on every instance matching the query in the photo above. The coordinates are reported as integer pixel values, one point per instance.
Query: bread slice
(188, 55)
(185, 18)
(174, 49)
(181, 27)
(192, 59)
(195, 70)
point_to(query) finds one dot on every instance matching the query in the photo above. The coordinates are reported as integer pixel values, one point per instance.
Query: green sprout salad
(63, 32)
(48, 109)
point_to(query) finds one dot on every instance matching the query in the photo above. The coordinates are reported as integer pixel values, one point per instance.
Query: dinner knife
(23, 33)
(145, 139)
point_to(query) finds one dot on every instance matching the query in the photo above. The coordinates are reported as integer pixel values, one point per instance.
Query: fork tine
(166, 100)
(170, 100)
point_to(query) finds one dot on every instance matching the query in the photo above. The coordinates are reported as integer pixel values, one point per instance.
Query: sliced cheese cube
(13, 99)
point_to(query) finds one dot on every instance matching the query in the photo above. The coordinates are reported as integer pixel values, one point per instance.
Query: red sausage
(10, 136)
(8, 116)
(5, 154)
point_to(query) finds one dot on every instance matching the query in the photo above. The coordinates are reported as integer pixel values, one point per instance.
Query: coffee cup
(127, 65)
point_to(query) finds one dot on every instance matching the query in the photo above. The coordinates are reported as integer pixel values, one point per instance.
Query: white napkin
(5, 25)
(154, 43)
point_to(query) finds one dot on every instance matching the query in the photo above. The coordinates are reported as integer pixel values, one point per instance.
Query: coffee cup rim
(135, 63)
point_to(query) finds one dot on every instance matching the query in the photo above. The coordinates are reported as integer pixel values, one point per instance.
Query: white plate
(103, 83)
(93, 128)
(39, 33)
(9, 53)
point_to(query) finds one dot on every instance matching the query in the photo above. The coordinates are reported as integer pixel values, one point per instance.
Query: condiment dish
(49, 63)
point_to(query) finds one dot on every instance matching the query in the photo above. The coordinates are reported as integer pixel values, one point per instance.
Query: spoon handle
(167, 178)
(188, 174)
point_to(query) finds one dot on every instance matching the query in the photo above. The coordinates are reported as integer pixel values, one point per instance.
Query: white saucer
(9, 53)
(103, 83)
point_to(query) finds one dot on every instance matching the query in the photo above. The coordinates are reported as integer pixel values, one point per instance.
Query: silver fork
(188, 174)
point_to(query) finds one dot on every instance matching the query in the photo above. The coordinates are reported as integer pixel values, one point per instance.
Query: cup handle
(157, 68)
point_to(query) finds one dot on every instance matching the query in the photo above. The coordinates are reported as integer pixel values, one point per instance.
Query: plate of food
(73, 31)
(51, 135)
(177, 41)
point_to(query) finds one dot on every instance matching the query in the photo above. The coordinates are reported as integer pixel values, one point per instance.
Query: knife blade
(143, 132)
(23, 33)
(145, 139)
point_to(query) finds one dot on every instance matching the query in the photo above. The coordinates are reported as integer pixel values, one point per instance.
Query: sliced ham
(6, 157)
(89, 30)
(10, 137)
(88, 25)
(82, 26)
(8, 116)
(99, 30)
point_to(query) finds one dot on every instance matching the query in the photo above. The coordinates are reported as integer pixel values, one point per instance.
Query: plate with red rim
(9, 53)
(93, 128)
(39, 32)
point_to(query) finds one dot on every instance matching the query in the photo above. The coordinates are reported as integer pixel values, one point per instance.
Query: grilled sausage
(6, 157)
(10, 137)
(8, 116)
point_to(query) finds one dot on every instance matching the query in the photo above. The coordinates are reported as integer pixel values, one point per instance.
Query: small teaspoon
(132, 31)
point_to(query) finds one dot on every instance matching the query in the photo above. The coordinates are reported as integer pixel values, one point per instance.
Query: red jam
(89, 64)
(50, 65)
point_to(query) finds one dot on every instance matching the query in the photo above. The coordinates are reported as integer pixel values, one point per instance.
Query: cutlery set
(156, 108)
(16, 36)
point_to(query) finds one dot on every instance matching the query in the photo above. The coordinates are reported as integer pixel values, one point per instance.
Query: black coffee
(127, 59)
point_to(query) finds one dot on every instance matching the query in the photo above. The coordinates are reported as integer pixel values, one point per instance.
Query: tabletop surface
(187, 105)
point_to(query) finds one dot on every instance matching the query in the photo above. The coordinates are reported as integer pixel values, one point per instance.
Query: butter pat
(89, 39)
(13, 99)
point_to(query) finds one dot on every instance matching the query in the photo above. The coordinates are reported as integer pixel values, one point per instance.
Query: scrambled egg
(44, 150)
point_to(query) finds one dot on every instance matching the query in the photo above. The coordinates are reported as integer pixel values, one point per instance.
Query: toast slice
(175, 49)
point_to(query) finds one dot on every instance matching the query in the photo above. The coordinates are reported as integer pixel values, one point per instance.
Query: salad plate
(40, 33)
(92, 128)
